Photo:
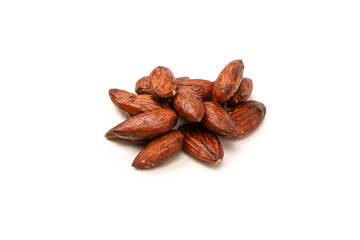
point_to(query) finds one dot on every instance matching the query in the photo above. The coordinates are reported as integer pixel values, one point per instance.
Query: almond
(140, 142)
(143, 85)
(189, 105)
(203, 88)
(228, 82)
(135, 104)
(218, 121)
(146, 125)
(116, 94)
(247, 116)
(162, 86)
(242, 94)
(202, 144)
(159, 150)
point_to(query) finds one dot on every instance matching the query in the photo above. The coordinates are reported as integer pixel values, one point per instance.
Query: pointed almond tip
(219, 160)
(113, 94)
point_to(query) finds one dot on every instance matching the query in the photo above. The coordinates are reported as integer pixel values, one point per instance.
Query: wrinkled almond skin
(162, 86)
(218, 121)
(228, 82)
(203, 88)
(159, 150)
(242, 94)
(189, 105)
(247, 116)
(146, 125)
(136, 104)
(202, 144)
(143, 85)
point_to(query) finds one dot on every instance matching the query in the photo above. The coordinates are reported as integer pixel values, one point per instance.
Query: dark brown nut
(143, 85)
(247, 116)
(202, 144)
(228, 82)
(218, 121)
(189, 105)
(162, 86)
(242, 94)
(203, 88)
(136, 104)
(146, 125)
(159, 150)
(116, 94)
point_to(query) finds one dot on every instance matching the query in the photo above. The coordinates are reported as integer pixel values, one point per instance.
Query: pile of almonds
(161, 98)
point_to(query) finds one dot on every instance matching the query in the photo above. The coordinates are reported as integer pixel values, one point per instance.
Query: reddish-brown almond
(116, 94)
(203, 88)
(247, 116)
(143, 85)
(146, 125)
(202, 144)
(228, 82)
(159, 150)
(242, 94)
(140, 142)
(218, 121)
(135, 104)
(162, 86)
(189, 105)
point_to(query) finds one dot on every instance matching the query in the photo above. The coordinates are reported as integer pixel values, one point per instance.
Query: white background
(296, 177)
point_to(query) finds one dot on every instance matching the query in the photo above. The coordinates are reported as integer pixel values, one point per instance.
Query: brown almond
(140, 142)
(228, 82)
(189, 105)
(116, 94)
(247, 116)
(159, 150)
(146, 125)
(218, 121)
(143, 85)
(203, 88)
(136, 104)
(162, 86)
(202, 144)
(242, 94)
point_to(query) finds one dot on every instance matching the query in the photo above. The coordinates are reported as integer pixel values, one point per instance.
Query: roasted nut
(218, 121)
(201, 87)
(247, 116)
(133, 104)
(202, 144)
(228, 82)
(143, 85)
(242, 94)
(146, 125)
(189, 105)
(159, 150)
(162, 86)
